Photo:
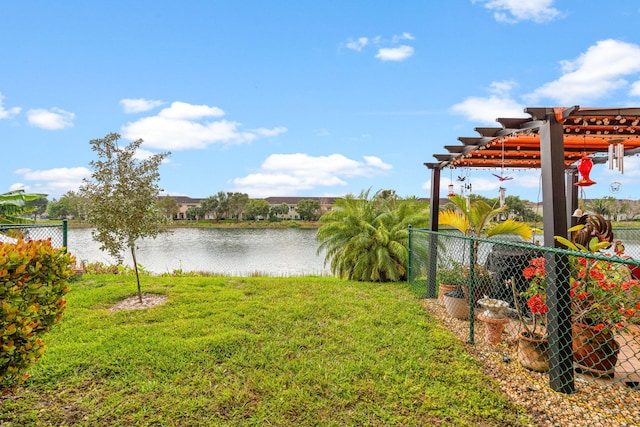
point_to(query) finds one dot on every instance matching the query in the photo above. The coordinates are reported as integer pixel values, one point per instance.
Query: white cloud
(7, 114)
(357, 44)
(270, 132)
(183, 126)
(52, 119)
(289, 174)
(635, 89)
(53, 182)
(385, 53)
(399, 53)
(488, 109)
(139, 105)
(513, 11)
(183, 111)
(377, 162)
(595, 74)
(403, 36)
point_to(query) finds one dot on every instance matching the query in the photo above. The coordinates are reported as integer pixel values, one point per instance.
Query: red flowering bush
(603, 292)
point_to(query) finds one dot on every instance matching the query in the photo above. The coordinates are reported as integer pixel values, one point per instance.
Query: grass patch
(311, 351)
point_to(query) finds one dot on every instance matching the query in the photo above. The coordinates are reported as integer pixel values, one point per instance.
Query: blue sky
(300, 97)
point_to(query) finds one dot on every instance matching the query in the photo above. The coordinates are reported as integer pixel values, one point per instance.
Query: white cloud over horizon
(184, 126)
(52, 119)
(53, 182)
(288, 174)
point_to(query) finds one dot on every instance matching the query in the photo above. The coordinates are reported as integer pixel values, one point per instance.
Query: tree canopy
(123, 194)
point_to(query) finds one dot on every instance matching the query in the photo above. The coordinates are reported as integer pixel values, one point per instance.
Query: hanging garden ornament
(615, 186)
(451, 190)
(502, 193)
(584, 167)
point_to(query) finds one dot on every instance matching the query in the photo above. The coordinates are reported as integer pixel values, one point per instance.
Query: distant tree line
(223, 205)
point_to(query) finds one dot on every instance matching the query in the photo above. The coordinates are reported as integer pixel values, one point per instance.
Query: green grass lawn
(254, 352)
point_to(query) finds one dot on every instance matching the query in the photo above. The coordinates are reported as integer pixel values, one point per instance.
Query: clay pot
(456, 304)
(533, 352)
(493, 327)
(594, 351)
(443, 288)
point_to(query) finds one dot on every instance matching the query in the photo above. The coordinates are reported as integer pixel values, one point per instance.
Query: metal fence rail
(56, 232)
(571, 317)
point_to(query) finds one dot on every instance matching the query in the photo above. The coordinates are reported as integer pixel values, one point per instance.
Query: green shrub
(33, 281)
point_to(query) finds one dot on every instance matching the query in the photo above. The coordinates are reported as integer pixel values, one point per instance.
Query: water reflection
(238, 252)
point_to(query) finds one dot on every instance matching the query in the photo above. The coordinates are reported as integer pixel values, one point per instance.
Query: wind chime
(616, 153)
(502, 178)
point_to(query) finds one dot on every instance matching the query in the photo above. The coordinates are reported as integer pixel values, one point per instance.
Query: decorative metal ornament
(615, 186)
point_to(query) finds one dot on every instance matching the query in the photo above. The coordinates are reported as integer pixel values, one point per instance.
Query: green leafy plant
(33, 281)
(14, 204)
(454, 273)
(122, 196)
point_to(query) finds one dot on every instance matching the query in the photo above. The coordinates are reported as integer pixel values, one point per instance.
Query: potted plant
(604, 299)
(450, 276)
(533, 346)
(476, 219)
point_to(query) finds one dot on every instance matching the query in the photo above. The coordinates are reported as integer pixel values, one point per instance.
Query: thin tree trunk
(135, 267)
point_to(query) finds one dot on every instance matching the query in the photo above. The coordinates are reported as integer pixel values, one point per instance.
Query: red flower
(529, 272)
(537, 305)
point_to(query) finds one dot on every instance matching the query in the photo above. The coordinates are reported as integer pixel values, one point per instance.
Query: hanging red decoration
(584, 167)
(451, 193)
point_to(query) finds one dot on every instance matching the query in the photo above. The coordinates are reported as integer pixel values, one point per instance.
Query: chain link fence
(568, 319)
(10, 233)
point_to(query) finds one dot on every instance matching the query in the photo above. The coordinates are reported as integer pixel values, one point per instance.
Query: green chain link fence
(569, 319)
(56, 232)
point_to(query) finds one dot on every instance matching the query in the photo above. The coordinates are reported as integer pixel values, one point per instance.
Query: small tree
(257, 208)
(279, 211)
(308, 209)
(169, 206)
(122, 197)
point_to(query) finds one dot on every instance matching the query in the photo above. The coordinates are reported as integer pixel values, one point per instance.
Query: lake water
(236, 252)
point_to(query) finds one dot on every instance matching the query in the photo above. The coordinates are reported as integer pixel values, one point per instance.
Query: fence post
(65, 227)
(471, 285)
(409, 277)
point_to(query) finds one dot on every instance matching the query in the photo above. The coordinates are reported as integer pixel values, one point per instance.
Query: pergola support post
(572, 195)
(554, 205)
(434, 209)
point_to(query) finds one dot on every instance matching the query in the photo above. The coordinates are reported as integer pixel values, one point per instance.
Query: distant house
(326, 204)
(185, 203)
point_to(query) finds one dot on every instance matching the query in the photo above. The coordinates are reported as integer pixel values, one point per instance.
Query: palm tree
(13, 205)
(474, 219)
(366, 238)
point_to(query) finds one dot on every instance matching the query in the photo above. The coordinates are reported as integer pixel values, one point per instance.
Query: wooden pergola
(554, 140)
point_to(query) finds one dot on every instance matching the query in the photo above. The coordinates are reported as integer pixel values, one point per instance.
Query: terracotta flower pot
(456, 305)
(443, 288)
(533, 352)
(493, 327)
(594, 351)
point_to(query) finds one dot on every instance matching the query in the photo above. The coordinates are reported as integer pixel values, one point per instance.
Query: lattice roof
(516, 145)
